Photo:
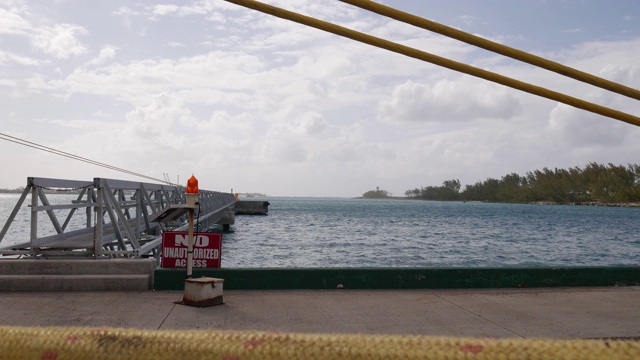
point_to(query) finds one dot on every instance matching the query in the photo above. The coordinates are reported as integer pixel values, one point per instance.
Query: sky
(251, 103)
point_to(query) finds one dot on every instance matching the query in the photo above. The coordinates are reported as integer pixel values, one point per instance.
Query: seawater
(20, 228)
(317, 232)
(330, 232)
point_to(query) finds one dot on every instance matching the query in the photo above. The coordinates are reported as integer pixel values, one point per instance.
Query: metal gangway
(107, 218)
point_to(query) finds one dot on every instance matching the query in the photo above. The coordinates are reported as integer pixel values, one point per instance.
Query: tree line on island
(594, 183)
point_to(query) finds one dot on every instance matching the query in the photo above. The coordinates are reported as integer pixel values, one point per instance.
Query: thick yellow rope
(434, 59)
(107, 343)
(495, 47)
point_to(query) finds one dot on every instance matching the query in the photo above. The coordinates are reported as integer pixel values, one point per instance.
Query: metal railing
(116, 217)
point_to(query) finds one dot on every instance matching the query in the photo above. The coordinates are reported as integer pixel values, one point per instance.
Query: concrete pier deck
(561, 313)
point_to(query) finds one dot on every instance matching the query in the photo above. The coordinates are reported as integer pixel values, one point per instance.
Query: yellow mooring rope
(434, 59)
(495, 47)
(18, 343)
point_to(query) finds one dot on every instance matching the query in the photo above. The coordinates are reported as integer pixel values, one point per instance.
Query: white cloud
(7, 58)
(126, 11)
(618, 72)
(60, 40)
(312, 123)
(175, 44)
(574, 30)
(468, 20)
(154, 121)
(225, 124)
(88, 125)
(106, 53)
(196, 8)
(12, 19)
(7, 83)
(207, 8)
(462, 100)
(283, 151)
(209, 78)
(578, 128)
(164, 9)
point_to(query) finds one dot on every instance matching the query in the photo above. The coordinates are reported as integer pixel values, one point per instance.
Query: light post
(204, 291)
(192, 200)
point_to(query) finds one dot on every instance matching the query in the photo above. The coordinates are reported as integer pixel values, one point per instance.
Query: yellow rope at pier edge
(108, 343)
(434, 59)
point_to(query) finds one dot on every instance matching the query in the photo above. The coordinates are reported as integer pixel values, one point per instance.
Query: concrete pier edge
(404, 278)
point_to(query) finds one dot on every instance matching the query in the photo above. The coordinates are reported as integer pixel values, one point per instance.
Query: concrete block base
(202, 292)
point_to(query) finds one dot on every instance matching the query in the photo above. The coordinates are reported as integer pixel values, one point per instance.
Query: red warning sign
(207, 249)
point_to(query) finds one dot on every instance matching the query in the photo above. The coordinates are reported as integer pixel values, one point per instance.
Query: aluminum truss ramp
(115, 217)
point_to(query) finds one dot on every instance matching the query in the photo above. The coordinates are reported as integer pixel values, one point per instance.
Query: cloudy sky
(249, 102)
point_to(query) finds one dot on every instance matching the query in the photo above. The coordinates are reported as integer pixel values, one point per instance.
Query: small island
(376, 194)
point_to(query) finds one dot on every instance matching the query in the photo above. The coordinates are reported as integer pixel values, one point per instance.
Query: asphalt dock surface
(610, 312)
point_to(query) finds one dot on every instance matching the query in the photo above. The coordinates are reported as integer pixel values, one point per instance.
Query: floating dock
(251, 207)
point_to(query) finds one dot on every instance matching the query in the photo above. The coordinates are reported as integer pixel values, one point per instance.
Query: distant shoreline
(591, 203)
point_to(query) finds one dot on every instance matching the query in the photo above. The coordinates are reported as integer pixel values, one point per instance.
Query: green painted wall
(405, 278)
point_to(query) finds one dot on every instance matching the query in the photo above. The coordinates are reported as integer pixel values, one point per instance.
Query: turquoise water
(394, 233)
(314, 232)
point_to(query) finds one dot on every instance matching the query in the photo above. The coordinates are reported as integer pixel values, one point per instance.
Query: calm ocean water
(315, 232)
(395, 233)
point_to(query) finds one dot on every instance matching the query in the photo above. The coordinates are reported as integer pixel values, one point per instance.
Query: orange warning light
(192, 185)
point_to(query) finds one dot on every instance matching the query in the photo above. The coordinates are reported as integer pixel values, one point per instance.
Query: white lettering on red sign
(207, 249)
(199, 240)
